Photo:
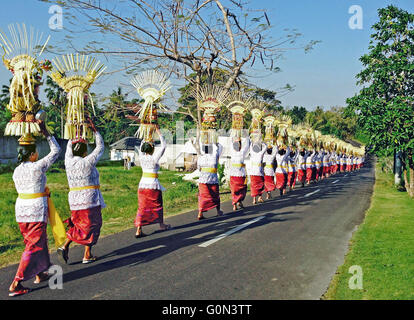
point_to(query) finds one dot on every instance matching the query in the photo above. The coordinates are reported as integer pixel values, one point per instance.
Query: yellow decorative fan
(21, 56)
(151, 85)
(75, 74)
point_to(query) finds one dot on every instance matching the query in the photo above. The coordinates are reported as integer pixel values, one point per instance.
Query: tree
(5, 114)
(56, 107)
(385, 106)
(182, 37)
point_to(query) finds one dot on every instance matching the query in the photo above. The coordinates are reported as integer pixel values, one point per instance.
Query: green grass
(383, 246)
(119, 189)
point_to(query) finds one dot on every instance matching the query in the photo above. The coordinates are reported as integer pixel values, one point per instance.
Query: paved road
(286, 248)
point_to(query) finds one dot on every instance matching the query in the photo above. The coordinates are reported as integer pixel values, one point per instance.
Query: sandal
(19, 292)
(90, 260)
(63, 254)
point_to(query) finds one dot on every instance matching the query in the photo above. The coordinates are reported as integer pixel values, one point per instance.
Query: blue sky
(323, 77)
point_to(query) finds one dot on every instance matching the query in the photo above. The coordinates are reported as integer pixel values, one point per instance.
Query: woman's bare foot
(260, 200)
(139, 233)
(200, 216)
(241, 205)
(234, 207)
(268, 196)
(254, 200)
(43, 276)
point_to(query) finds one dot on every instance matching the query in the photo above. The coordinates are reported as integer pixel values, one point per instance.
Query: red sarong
(318, 172)
(309, 174)
(238, 189)
(150, 209)
(269, 183)
(85, 226)
(292, 178)
(35, 258)
(281, 180)
(343, 168)
(348, 167)
(302, 176)
(256, 185)
(208, 196)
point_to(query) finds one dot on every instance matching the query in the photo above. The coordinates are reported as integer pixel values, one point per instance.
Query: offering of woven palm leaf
(258, 112)
(238, 105)
(75, 74)
(151, 85)
(21, 52)
(284, 123)
(210, 99)
(270, 124)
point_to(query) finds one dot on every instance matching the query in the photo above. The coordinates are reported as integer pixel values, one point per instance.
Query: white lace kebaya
(30, 177)
(82, 172)
(282, 161)
(256, 161)
(150, 164)
(268, 160)
(237, 167)
(209, 160)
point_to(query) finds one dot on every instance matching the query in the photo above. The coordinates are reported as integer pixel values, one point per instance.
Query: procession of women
(269, 156)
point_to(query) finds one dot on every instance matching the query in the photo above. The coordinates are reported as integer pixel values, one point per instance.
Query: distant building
(124, 148)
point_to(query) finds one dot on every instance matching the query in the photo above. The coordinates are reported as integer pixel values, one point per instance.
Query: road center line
(335, 181)
(222, 236)
(309, 194)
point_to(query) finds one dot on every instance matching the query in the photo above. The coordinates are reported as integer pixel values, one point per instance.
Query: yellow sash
(269, 166)
(58, 229)
(210, 170)
(149, 175)
(84, 188)
(238, 165)
(257, 164)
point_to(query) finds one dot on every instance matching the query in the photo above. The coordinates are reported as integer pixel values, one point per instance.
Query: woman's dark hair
(207, 149)
(302, 153)
(292, 153)
(79, 149)
(269, 150)
(237, 145)
(282, 152)
(24, 152)
(147, 148)
(257, 147)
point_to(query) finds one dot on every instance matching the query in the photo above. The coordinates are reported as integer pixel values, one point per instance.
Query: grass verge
(383, 246)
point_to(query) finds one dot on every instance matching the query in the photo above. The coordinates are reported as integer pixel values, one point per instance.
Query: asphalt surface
(286, 248)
